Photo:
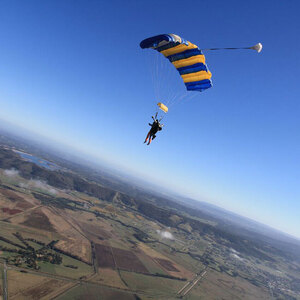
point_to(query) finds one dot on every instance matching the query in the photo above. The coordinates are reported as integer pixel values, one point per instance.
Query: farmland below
(71, 233)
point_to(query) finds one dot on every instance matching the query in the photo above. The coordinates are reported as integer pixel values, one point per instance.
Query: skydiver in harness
(155, 126)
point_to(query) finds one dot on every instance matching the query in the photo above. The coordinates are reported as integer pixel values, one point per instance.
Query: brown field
(25, 281)
(110, 208)
(11, 211)
(96, 229)
(24, 205)
(109, 277)
(151, 265)
(72, 239)
(152, 253)
(37, 219)
(127, 260)
(166, 264)
(10, 195)
(93, 231)
(77, 247)
(39, 291)
(11, 203)
(8, 230)
(59, 290)
(104, 256)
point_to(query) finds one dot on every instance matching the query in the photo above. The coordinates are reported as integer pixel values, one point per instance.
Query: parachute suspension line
(151, 62)
(182, 97)
(166, 92)
(155, 71)
(159, 76)
(173, 91)
(191, 96)
(178, 98)
(172, 100)
(162, 72)
(157, 61)
(162, 78)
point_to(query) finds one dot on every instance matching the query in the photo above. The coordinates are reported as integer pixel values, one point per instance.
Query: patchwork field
(156, 287)
(109, 277)
(104, 256)
(37, 219)
(77, 239)
(27, 284)
(166, 264)
(32, 288)
(127, 260)
(227, 287)
(90, 291)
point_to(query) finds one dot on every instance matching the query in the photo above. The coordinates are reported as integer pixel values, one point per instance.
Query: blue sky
(73, 71)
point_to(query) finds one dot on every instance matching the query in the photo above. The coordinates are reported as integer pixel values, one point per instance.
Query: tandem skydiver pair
(155, 127)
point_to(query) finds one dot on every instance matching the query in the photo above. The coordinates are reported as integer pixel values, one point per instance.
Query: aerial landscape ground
(68, 232)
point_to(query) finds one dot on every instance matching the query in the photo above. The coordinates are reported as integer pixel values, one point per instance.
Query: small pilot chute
(257, 47)
(163, 107)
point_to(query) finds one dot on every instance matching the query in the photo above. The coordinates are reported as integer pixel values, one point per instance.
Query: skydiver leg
(147, 137)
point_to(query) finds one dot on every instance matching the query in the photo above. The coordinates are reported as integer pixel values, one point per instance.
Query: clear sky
(73, 71)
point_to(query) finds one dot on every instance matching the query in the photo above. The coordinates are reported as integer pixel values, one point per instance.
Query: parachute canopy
(185, 56)
(163, 107)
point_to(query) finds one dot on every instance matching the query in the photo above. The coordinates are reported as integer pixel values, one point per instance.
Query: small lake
(38, 161)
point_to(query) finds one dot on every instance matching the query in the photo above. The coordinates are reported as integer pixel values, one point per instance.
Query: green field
(94, 292)
(82, 270)
(155, 286)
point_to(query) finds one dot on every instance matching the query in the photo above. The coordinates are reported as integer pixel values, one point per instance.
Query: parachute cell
(186, 57)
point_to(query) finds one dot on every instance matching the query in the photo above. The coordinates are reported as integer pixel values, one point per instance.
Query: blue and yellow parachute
(185, 56)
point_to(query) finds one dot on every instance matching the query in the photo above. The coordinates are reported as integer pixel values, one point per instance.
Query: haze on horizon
(137, 179)
(74, 73)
